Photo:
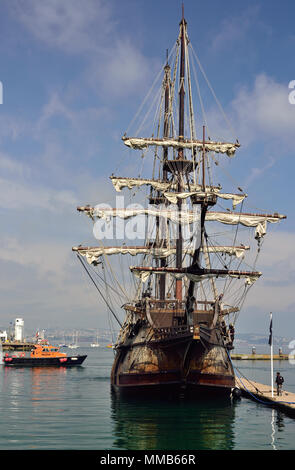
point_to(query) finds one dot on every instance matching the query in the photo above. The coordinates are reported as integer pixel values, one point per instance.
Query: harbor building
(19, 329)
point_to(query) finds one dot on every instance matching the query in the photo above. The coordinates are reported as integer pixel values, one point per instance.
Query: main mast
(180, 150)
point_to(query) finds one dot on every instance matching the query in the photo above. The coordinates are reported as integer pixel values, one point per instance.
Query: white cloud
(44, 284)
(123, 69)
(70, 25)
(46, 257)
(234, 28)
(10, 165)
(264, 111)
(256, 173)
(260, 112)
(89, 29)
(20, 195)
(275, 289)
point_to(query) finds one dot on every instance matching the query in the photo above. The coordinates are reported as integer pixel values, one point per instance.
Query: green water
(50, 408)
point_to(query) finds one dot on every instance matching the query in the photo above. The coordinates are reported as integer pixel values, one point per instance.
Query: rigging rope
(96, 286)
(213, 92)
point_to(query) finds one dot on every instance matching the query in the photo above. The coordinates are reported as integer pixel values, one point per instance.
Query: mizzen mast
(167, 79)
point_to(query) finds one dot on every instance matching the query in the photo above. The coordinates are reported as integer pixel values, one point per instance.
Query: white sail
(130, 183)
(249, 220)
(218, 147)
(193, 189)
(183, 217)
(173, 197)
(92, 254)
(259, 221)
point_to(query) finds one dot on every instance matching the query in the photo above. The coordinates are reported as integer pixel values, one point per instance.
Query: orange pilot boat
(44, 355)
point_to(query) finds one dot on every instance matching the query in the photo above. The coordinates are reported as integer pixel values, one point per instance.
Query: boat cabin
(45, 350)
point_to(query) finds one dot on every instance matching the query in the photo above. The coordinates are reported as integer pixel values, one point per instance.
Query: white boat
(96, 343)
(74, 344)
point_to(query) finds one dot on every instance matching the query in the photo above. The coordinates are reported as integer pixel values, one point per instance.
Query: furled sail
(130, 183)
(249, 220)
(183, 217)
(218, 147)
(173, 197)
(259, 221)
(189, 190)
(92, 254)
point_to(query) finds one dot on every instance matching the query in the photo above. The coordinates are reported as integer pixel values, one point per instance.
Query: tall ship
(190, 274)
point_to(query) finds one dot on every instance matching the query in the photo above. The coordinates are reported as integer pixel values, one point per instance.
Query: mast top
(182, 18)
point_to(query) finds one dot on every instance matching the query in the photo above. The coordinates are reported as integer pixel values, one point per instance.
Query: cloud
(256, 173)
(259, 113)
(43, 283)
(70, 25)
(88, 29)
(124, 69)
(9, 165)
(264, 111)
(20, 196)
(275, 289)
(235, 28)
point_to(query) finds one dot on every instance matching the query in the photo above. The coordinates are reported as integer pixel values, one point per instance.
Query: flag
(270, 333)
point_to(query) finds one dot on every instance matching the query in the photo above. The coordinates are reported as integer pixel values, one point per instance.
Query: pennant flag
(270, 333)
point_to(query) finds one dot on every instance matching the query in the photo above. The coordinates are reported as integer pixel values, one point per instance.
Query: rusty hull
(183, 362)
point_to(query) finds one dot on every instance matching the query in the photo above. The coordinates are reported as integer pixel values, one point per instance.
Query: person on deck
(279, 382)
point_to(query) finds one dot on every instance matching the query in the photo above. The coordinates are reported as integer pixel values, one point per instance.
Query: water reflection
(280, 420)
(172, 423)
(47, 382)
(41, 384)
(277, 425)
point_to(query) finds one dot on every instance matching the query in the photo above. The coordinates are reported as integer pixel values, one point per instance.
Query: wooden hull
(184, 364)
(39, 362)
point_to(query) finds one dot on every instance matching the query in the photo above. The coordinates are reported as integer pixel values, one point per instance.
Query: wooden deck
(262, 392)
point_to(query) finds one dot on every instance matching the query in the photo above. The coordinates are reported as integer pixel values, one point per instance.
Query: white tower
(19, 329)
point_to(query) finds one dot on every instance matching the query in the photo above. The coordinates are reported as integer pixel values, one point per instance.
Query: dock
(262, 392)
(17, 346)
(261, 357)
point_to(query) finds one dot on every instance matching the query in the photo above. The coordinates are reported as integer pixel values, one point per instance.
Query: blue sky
(74, 74)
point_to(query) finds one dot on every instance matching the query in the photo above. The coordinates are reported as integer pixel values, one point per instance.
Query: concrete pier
(17, 346)
(263, 393)
(260, 357)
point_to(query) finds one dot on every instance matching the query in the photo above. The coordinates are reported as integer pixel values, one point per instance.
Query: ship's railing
(173, 331)
(155, 304)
